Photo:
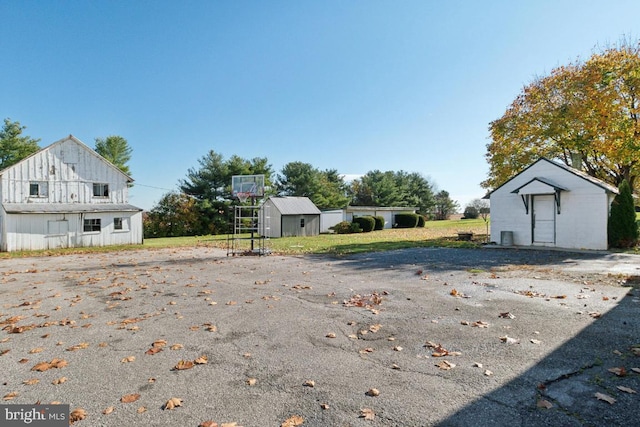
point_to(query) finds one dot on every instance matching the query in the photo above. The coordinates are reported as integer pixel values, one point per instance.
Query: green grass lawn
(435, 233)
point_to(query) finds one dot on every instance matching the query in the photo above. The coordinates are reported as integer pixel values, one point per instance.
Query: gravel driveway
(417, 337)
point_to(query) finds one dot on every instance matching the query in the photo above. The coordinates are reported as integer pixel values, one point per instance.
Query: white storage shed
(289, 216)
(550, 204)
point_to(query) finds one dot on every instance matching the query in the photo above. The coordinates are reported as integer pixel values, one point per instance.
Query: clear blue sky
(348, 85)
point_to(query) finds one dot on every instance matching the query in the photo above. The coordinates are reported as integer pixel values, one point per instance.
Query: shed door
(544, 219)
(58, 234)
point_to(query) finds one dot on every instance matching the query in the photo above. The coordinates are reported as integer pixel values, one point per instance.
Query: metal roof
(295, 205)
(68, 207)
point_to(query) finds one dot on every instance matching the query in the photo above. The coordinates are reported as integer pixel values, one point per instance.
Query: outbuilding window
(301, 222)
(100, 189)
(38, 189)
(92, 224)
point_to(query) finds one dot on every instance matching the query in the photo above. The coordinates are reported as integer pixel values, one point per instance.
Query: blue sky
(348, 85)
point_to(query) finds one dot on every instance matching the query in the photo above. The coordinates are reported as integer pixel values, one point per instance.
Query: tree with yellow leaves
(586, 112)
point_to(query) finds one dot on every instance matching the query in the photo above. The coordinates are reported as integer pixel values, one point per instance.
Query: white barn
(66, 195)
(551, 205)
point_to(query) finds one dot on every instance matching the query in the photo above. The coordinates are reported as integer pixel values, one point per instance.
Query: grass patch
(434, 234)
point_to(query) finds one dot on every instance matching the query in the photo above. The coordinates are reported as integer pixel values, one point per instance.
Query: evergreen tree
(622, 227)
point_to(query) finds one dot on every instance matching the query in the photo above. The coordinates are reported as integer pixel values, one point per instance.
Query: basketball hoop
(242, 196)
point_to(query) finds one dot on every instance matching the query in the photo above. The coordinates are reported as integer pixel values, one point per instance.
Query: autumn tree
(326, 189)
(176, 214)
(622, 227)
(583, 114)
(13, 145)
(116, 150)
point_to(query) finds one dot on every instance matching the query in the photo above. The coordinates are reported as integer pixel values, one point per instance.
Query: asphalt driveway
(418, 337)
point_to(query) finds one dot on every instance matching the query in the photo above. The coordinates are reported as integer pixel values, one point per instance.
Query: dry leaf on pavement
(367, 414)
(77, 415)
(293, 421)
(606, 398)
(172, 403)
(128, 398)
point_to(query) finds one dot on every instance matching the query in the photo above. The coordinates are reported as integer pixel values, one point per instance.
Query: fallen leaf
(59, 381)
(172, 403)
(35, 350)
(626, 389)
(109, 410)
(41, 367)
(128, 359)
(183, 364)
(324, 405)
(507, 315)
(488, 372)
(159, 343)
(77, 415)
(31, 381)
(202, 360)
(141, 409)
(397, 348)
(80, 346)
(208, 423)
(445, 365)
(153, 350)
(293, 421)
(251, 381)
(636, 370)
(534, 341)
(373, 392)
(331, 335)
(508, 340)
(128, 398)
(542, 403)
(10, 396)
(309, 383)
(477, 365)
(177, 347)
(621, 372)
(367, 414)
(606, 398)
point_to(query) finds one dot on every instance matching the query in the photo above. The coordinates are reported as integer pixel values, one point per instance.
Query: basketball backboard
(247, 185)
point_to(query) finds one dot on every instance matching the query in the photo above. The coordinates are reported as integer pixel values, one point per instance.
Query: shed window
(38, 189)
(301, 222)
(100, 189)
(92, 224)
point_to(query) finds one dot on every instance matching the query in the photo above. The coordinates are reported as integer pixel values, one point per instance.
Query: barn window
(38, 189)
(100, 190)
(92, 224)
(301, 222)
(120, 223)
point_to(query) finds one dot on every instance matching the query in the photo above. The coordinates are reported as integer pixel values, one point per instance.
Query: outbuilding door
(544, 219)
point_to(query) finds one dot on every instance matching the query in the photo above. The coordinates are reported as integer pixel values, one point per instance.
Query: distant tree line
(204, 204)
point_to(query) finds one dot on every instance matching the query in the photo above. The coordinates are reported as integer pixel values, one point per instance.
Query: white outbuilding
(66, 195)
(550, 204)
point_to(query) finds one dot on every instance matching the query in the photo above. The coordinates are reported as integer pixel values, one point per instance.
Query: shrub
(471, 212)
(346, 227)
(421, 221)
(379, 222)
(367, 223)
(406, 220)
(622, 228)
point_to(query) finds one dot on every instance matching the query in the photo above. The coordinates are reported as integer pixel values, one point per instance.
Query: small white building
(388, 213)
(551, 205)
(66, 195)
(289, 216)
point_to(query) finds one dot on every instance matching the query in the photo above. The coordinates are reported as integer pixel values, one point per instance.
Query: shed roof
(539, 186)
(295, 205)
(68, 207)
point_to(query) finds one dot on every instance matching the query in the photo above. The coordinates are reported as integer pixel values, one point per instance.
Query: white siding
(67, 182)
(584, 210)
(67, 169)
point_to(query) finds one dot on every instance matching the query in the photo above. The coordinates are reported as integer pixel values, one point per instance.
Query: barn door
(58, 234)
(544, 219)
